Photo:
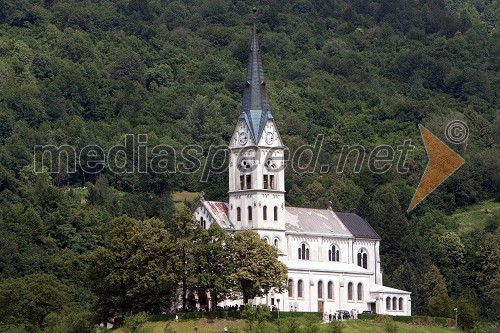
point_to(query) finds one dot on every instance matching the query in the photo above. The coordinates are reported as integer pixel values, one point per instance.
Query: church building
(332, 257)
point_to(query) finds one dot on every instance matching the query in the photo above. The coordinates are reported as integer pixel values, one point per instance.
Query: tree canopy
(90, 74)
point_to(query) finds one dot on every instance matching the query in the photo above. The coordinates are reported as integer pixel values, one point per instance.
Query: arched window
(276, 213)
(264, 213)
(363, 258)
(360, 291)
(388, 303)
(320, 289)
(350, 292)
(303, 252)
(300, 287)
(400, 308)
(238, 214)
(249, 213)
(276, 242)
(290, 288)
(394, 303)
(265, 239)
(333, 253)
(330, 290)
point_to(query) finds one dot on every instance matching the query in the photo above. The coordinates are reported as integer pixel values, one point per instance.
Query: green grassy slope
(217, 326)
(475, 216)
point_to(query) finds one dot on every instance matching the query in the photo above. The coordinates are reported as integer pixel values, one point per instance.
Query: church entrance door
(320, 306)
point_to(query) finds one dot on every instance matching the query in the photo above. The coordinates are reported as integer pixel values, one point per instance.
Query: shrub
(335, 327)
(132, 323)
(293, 326)
(311, 328)
(367, 316)
(390, 325)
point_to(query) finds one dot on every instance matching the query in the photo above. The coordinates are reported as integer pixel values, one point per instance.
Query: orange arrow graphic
(443, 162)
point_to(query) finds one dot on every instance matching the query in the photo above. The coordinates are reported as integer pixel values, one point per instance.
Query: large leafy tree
(186, 231)
(257, 268)
(134, 270)
(213, 263)
(28, 300)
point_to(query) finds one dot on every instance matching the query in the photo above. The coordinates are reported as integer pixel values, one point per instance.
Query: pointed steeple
(256, 110)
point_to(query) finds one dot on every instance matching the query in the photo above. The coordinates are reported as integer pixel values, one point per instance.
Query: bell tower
(256, 167)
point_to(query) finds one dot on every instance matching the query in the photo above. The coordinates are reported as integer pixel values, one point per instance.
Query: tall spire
(256, 110)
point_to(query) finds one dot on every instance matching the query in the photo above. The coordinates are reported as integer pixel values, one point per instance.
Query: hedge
(421, 320)
(233, 314)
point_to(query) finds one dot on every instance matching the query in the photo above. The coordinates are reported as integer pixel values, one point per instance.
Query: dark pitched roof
(358, 226)
(256, 109)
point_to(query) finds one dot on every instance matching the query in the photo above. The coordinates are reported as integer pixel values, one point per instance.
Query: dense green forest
(360, 72)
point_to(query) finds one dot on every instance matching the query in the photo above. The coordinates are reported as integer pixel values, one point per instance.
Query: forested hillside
(360, 72)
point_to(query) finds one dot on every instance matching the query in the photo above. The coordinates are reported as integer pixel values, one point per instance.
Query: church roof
(309, 220)
(219, 211)
(377, 288)
(331, 266)
(306, 220)
(256, 109)
(358, 226)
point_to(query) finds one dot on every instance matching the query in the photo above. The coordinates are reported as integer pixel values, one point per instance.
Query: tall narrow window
(400, 308)
(238, 214)
(303, 252)
(266, 182)
(387, 303)
(271, 181)
(333, 253)
(363, 258)
(249, 181)
(290, 288)
(276, 242)
(264, 213)
(242, 182)
(300, 287)
(330, 290)
(350, 292)
(276, 213)
(394, 303)
(320, 289)
(249, 213)
(360, 291)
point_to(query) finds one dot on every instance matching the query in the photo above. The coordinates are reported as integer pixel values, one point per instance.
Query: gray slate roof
(358, 226)
(310, 220)
(326, 221)
(256, 109)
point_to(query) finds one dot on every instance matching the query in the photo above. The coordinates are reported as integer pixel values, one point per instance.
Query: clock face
(269, 137)
(243, 138)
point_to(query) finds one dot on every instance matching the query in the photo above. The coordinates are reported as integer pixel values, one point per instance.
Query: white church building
(332, 257)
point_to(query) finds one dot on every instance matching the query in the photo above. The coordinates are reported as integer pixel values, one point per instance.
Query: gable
(241, 136)
(218, 212)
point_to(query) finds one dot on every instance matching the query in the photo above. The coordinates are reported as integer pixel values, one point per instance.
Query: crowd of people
(340, 315)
